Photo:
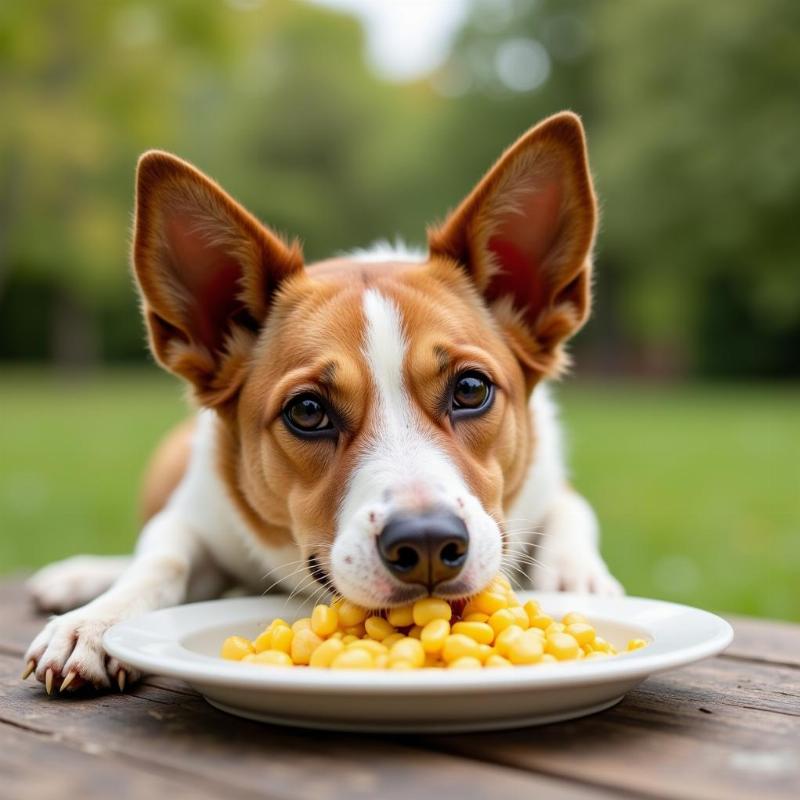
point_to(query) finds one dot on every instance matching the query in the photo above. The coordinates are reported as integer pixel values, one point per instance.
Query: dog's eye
(306, 415)
(472, 393)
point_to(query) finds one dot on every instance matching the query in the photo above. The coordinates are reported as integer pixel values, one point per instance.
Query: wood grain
(180, 735)
(727, 727)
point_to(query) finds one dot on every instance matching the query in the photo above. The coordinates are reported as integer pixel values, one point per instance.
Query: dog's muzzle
(426, 549)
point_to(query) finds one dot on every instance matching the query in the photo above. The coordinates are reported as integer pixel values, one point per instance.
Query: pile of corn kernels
(493, 630)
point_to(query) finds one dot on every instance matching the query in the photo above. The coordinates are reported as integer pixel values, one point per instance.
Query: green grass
(697, 487)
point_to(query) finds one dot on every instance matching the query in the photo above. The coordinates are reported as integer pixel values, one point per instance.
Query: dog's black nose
(424, 548)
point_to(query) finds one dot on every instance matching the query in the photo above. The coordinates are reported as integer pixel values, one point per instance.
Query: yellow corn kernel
(562, 646)
(282, 636)
(595, 654)
(401, 666)
(356, 630)
(378, 628)
(501, 619)
(432, 660)
(601, 645)
(350, 614)
(554, 627)
(582, 631)
(324, 620)
(304, 643)
(475, 616)
(302, 624)
(520, 616)
(357, 658)
(434, 634)
(401, 617)
(235, 648)
(479, 631)
(323, 655)
(636, 644)
(392, 638)
(348, 637)
(496, 660)
(263, 641)
(465, 662)
(484, 651)
(506, 638)
(381, 661)
(532, 610)
(408, 649)
(573, 617)
(548, 658)
(540, 621)
(488, 602)
(459, 646)
(269, 658)
(503, 582)
(370, 645)
(525, 649)
(415, 631)
(429, 609)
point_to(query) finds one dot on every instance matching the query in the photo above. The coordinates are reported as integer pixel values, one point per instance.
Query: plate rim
(154, 653)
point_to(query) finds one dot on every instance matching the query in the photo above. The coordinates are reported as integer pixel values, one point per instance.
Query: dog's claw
(29, 668)
(68, 680)
(48, 681)
(121, 678)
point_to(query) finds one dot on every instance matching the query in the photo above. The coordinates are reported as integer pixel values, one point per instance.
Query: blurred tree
(696, 145)
(692, 113)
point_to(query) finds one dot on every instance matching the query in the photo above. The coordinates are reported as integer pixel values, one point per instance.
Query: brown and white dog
(377, 424)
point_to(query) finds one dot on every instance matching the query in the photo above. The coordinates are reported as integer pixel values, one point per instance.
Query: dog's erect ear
(207, 271)
(525, 235)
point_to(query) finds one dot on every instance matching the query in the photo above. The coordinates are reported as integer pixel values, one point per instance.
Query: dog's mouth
(320, 574)
(455, 591)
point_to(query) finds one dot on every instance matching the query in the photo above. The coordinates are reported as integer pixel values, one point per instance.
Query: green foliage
(691, 108)
(695, 487)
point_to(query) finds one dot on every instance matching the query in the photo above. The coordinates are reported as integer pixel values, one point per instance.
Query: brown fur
(166, 468)
(506, 283)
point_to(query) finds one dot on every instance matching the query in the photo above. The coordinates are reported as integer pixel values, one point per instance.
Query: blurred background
(345, 121)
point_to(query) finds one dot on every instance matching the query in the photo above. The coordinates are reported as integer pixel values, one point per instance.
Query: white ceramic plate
(184, 642)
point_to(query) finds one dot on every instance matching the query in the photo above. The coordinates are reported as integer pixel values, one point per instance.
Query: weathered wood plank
(40, 767)
(718, 729)
(765, 640)
(181, 735)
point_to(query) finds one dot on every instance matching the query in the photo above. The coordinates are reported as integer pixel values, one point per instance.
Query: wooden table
(728, 727)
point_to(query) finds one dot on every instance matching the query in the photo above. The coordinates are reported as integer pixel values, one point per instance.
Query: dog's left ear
(207, 271)
(525, 235)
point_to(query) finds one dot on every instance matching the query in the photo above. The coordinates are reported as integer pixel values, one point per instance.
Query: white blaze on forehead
(398, 452)
(385, 349)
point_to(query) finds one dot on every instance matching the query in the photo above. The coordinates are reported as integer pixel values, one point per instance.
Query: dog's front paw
(68, 654)
(566, 571)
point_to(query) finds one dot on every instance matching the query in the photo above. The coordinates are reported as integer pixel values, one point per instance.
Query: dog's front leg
(69, 650)
(568, 555)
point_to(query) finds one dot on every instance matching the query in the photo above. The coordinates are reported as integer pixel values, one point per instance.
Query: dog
(377, 425)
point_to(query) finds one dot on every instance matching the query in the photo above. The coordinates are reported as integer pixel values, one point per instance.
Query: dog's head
(376, 411)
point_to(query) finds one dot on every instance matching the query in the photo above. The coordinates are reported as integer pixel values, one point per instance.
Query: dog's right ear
(207, 271)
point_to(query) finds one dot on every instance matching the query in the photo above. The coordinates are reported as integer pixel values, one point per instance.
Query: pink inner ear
(210, 276)
(521, 244)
